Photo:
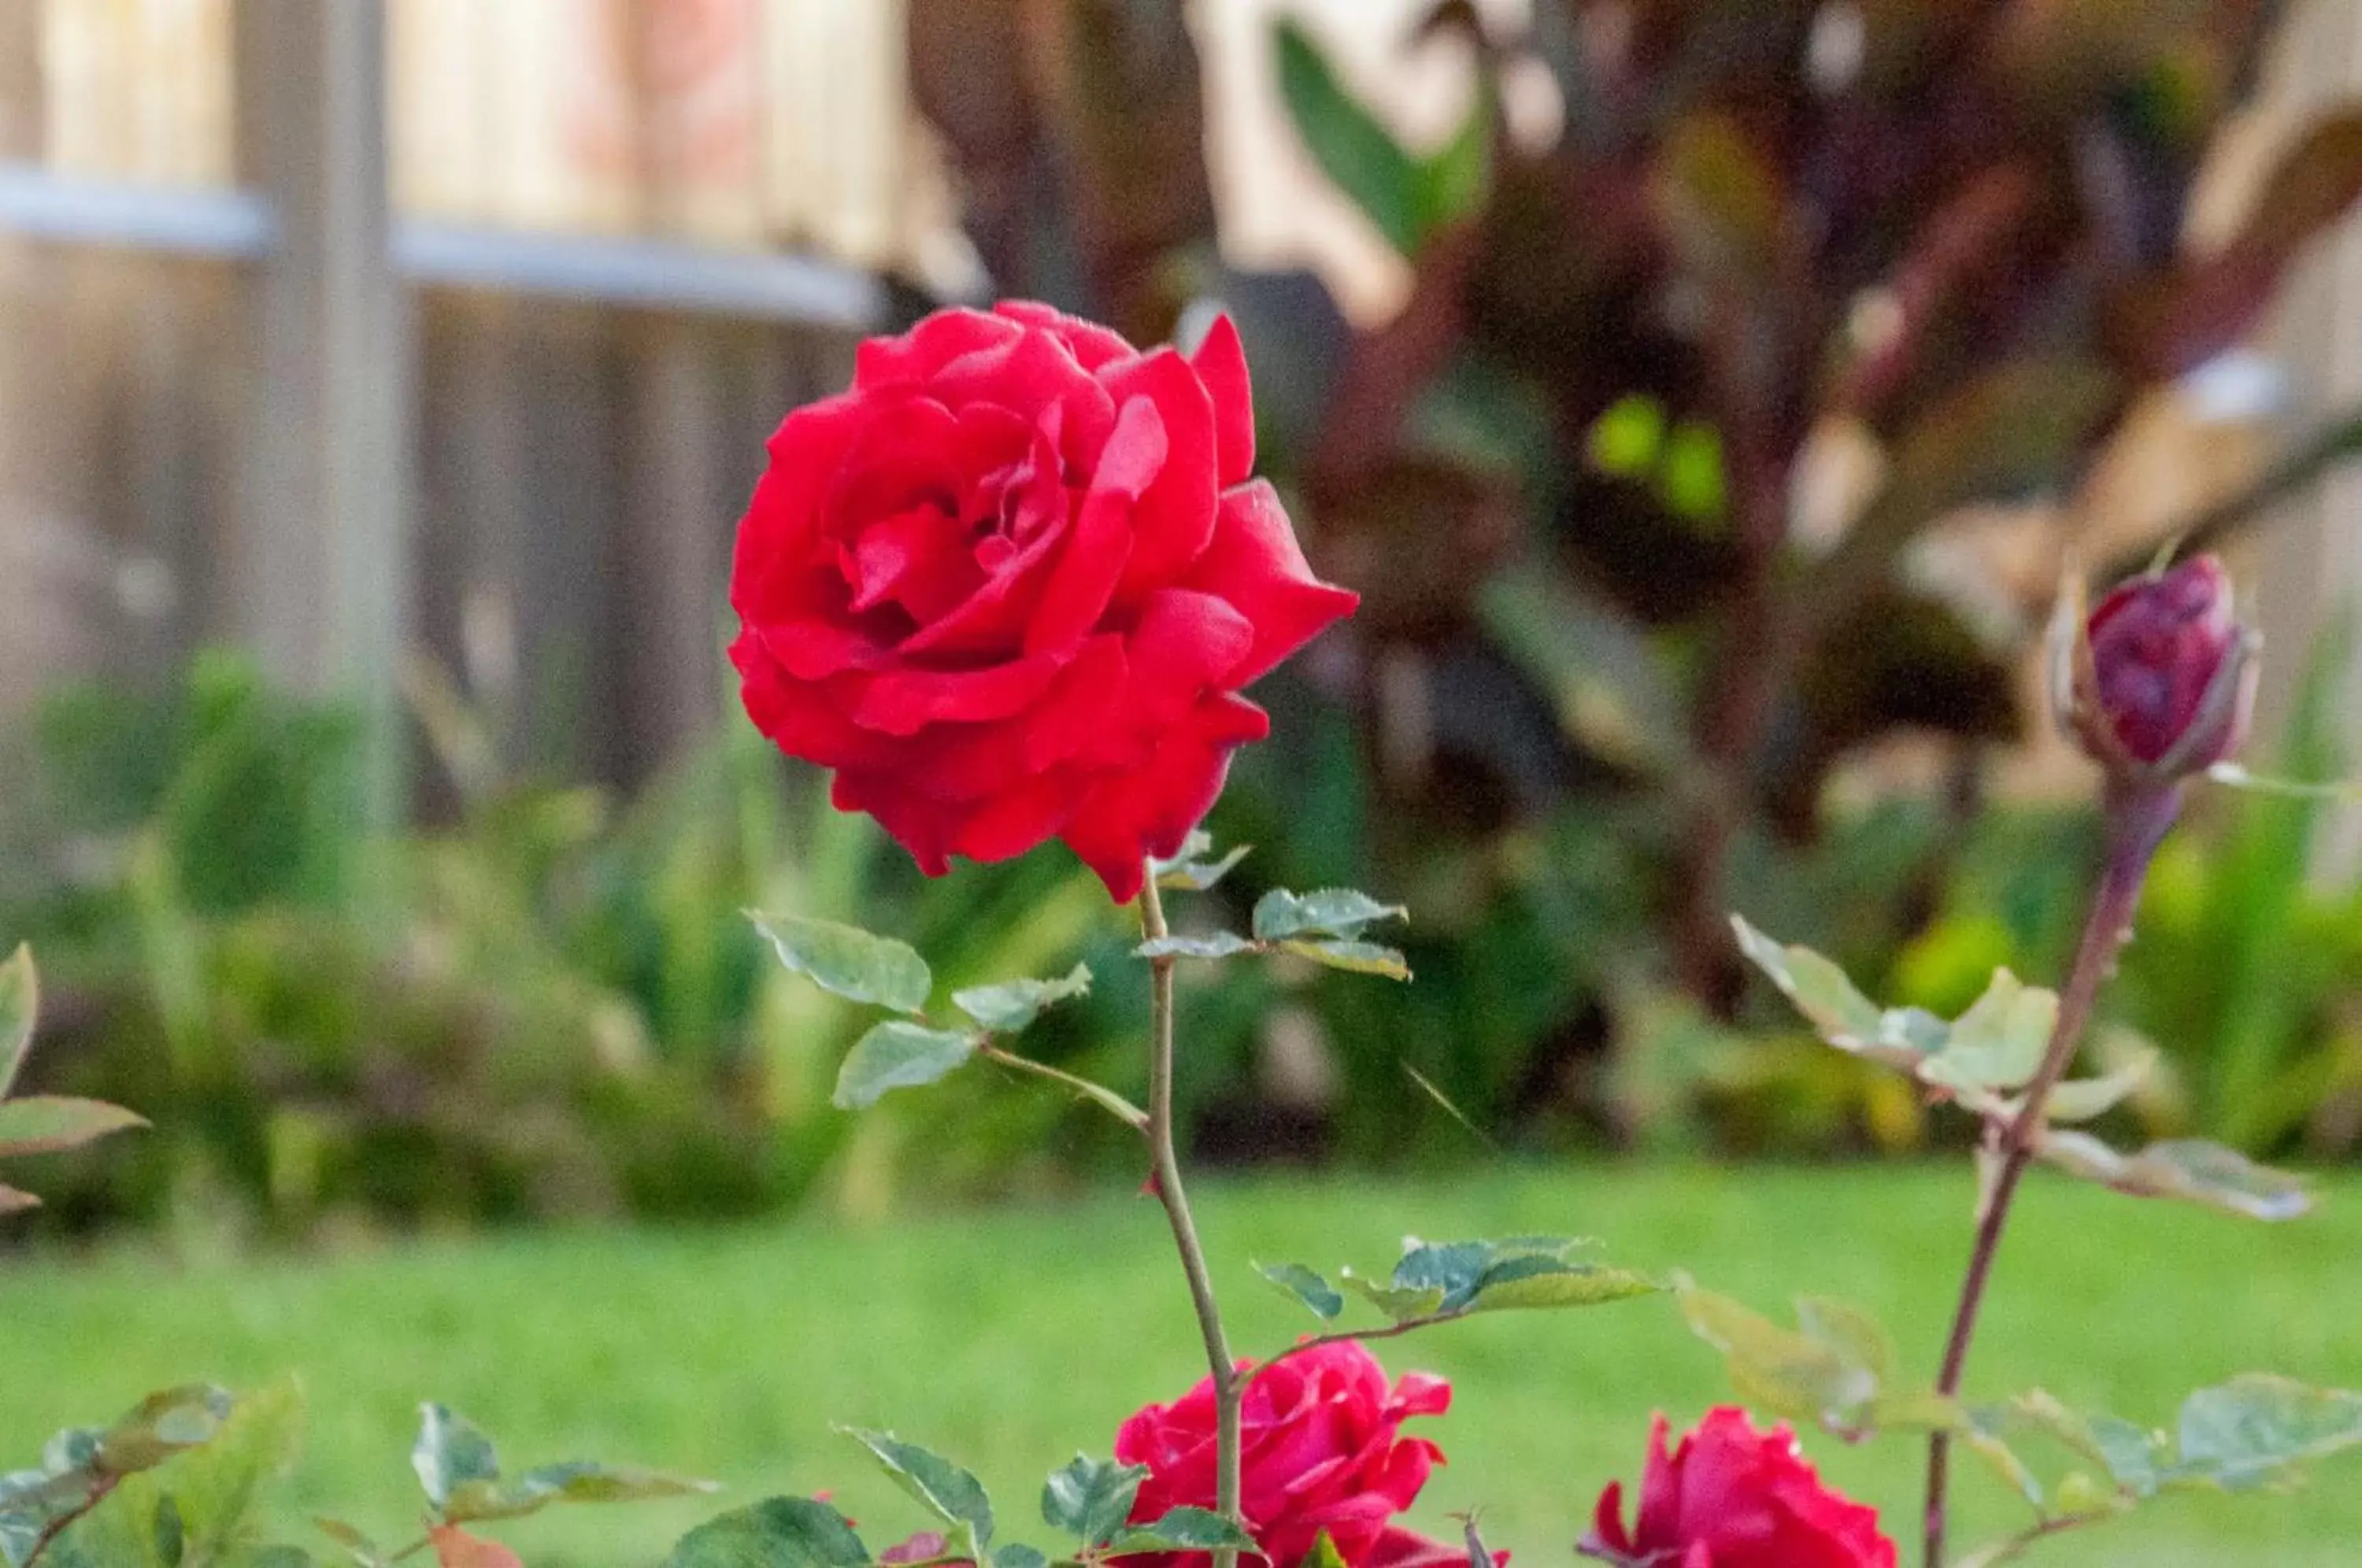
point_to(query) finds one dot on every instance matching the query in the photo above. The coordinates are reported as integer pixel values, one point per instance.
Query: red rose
(1320, 1450)
(1733, 1497)
(1009, 584)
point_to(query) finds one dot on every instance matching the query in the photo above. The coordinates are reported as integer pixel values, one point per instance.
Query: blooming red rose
(2161, 681)
(1320, 1449)
(1009, 585)
(1733, 1497)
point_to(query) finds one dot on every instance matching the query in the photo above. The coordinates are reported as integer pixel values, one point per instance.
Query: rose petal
(1025, 374)
(907, 453)
(927, 348)
(1091, 344)
(1422, 1394)
(915, 823)
(796, 715)
(1175, 516)
(1254, 562)
(1185, 644)
(1220, 362)
(1127, 818)
(1660, 1488)
(1016, 820)
(917, 559)
(1607, 1520)
(1105, 531)
(902, 700)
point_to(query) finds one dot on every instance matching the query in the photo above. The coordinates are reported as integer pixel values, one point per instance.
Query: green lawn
(1009, 1339)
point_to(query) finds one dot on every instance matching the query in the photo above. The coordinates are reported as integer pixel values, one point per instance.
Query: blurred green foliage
(551, 1004)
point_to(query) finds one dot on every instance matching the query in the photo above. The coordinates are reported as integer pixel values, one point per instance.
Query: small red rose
(1009, 585)
(2161, 681)
(1730, 1496)
(1320, 1451)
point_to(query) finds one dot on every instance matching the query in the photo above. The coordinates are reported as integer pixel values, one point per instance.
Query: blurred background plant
(1735, 377)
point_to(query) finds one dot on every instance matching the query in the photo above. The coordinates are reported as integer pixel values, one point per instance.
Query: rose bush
(1730, 1496)
(1321, 1450)
(1009, 585)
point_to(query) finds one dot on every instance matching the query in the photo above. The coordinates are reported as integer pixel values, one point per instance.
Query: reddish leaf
(455, 1548)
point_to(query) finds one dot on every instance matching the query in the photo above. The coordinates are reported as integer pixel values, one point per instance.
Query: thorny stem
(1166, 1169)
(2138, 821)
(58, 1527)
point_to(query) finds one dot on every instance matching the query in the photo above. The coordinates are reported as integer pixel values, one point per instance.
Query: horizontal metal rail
(234, 225)
(659, 275)
(650, 274)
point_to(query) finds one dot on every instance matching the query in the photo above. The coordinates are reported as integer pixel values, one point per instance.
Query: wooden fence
(344, 328)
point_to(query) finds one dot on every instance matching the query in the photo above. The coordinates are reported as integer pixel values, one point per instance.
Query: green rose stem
(2138, 819)
(1165, 1168)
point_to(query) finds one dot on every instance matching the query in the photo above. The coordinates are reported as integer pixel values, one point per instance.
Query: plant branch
(1166, 1166)
(65, 1521)
(2138, 821)
(1107, 1098)
(2308, 462)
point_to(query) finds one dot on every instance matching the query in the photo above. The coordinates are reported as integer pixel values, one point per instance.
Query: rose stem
(1166, 1167)
(2138, 820)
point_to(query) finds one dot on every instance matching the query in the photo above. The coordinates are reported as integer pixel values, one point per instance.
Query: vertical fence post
(2311, 562)
(317, 574)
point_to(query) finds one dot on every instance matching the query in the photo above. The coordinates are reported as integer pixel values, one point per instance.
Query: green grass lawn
(1009, 1339)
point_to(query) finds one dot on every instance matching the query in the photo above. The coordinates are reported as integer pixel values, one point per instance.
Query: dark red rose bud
(2160, 680)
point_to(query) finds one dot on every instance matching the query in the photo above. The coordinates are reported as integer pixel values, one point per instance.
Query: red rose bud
(1320, 1451)
(1733, 1497)
(2159, 682)
(1010, 583)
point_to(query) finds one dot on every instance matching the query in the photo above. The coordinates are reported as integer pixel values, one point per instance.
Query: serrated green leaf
(2249, 1431)
(1190, 872)
(1013, 1005)
(952, 1491)
(20, 1004)
(782, 1532)
(1306, 1287)
(161, 1426)
(1455, 1270)
(1537, 1282)
(1820, 990)
(2080, 1099)
(49, 1124)
(1401, 1305)
(896, 1054)
(857, 965)
(577, 1482)
(214, 1489)
(1017, 1554)
(2191, 1169)
(451, 1451)
(1338, 913)
(1782, 1371)
(1999, 1042)
(1090, 1498)
(2081, 1496)
(1220, 944)
(1357, 153)
(2134, 1455)
(1852, 1333)
(1357, 957)
(1182, 1529)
